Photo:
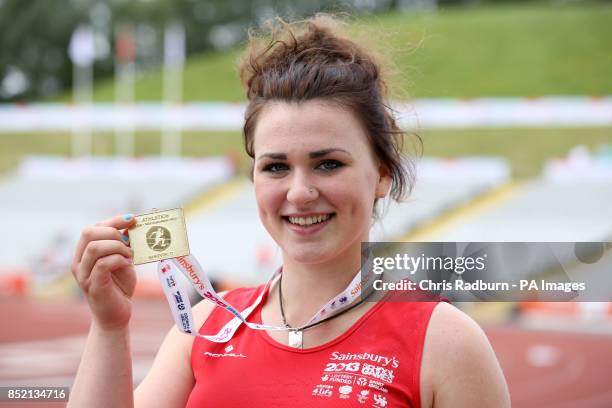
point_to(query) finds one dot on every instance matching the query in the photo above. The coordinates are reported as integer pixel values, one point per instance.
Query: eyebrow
(313, 155)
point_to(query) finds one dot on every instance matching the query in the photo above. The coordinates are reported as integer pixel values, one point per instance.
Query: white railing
(213, 116)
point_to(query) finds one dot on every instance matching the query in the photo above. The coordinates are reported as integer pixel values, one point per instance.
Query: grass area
(510, 50)
(505, 51)
(209, 77)
(526, 149)
(15, 146)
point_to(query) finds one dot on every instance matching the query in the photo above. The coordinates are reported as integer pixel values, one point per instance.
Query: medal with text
(159, 235)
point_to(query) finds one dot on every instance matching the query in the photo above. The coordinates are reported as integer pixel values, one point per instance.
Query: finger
(95, 233)
(125, 237)
(99, 249)
(119, 221)
(101, 274)
(125, 279)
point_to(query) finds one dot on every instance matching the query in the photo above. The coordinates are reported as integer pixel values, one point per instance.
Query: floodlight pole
(125, 61)
(82, 54)
(82, 94)
(174, 58)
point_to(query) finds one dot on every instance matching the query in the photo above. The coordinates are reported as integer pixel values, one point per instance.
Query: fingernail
(128, 217)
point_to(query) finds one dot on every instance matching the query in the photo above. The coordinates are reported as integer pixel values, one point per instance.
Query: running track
(41, 343)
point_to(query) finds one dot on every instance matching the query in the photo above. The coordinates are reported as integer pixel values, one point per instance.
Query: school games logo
(363, 376)
(158, 238)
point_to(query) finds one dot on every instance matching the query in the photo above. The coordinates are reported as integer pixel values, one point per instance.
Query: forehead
(310, 125)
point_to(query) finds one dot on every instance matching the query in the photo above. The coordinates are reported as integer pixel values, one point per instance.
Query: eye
(329, 165)
(275, 167)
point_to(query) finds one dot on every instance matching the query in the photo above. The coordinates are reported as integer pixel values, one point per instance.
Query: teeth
(308, 220)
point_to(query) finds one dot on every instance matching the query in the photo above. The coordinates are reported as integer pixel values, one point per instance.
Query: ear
(384, 182)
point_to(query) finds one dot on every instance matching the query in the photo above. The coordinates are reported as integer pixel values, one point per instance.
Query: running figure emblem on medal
(159, 235)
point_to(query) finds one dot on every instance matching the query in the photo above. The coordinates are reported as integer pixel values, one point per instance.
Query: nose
(302, 191)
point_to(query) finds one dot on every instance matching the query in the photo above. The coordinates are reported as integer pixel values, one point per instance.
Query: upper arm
(170, 380)
(459, 366)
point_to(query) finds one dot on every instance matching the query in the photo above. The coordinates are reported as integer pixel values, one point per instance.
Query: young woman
(325, 149)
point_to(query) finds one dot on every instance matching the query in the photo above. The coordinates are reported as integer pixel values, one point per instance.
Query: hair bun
(286, 61)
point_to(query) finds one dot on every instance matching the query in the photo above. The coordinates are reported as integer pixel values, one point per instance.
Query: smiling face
(316, 179)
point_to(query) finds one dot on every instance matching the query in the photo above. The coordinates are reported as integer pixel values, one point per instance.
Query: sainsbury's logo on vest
(375, 358)
(227, 353)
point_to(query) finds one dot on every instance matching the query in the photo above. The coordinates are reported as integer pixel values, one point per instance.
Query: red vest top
(375, 363)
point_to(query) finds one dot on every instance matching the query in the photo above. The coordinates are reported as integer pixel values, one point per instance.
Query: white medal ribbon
(178, 299)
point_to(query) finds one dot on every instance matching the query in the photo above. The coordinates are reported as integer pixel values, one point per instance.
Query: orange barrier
(579, 310)
(14, 282)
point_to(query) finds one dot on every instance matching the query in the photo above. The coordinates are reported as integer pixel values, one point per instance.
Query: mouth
(308, 222)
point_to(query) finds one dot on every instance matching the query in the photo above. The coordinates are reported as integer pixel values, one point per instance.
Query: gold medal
(159, 235)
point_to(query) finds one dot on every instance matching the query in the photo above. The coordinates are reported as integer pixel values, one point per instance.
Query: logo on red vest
(323, 390)
(227, 353)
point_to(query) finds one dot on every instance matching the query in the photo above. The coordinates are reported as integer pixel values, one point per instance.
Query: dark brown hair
(309, 60)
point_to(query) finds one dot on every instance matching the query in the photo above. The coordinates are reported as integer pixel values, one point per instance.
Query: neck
(307, 287)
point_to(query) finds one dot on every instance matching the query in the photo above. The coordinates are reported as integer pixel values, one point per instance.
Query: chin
(309, 254)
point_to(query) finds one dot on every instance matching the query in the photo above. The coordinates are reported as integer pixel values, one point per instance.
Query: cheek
(352, 195)
(269, 198)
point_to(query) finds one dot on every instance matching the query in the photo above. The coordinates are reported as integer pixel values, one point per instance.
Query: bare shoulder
(171, 370)
(459, 366)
